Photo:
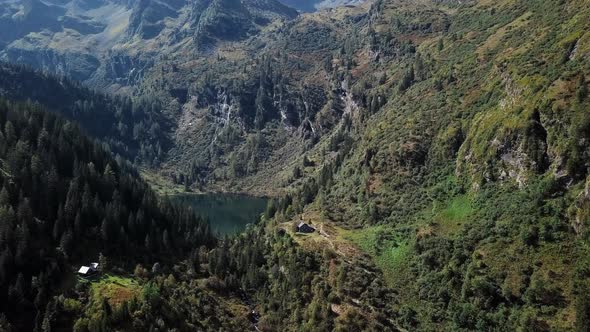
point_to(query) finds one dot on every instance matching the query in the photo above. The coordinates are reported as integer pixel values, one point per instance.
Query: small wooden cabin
(304, 228)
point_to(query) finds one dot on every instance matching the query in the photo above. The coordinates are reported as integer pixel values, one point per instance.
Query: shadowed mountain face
(20, 18)
(112, 42)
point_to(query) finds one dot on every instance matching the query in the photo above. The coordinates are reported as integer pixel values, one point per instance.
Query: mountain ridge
(439, 147)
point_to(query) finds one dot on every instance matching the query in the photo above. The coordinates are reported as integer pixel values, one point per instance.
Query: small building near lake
(304, 228)
(88, 271)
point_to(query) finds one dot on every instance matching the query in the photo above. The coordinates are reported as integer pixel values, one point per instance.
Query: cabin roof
(84, 269)
(305, 225)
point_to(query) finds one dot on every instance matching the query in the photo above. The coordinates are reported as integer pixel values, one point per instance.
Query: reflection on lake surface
(227, 213)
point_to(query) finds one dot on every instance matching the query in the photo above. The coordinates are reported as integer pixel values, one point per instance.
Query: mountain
(127, 127)
(462, 170)
(111, 43)
(439, 148)
(64, 201)
(441, 143)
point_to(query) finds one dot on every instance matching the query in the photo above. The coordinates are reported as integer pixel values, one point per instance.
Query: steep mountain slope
(315, 5)
(64, 200)
(468, 186)
(131, 128)
(439, 147)
(110, 44)
(244, 111)
(449, 145)
(148, 50)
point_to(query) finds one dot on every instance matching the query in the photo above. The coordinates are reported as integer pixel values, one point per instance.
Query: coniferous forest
(425, 165)
(128, 128)
(65, 200)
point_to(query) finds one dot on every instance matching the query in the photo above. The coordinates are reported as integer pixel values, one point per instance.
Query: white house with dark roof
(86, 271)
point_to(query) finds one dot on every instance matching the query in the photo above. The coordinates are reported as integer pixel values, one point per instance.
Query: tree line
(130, 127)
(64, 200)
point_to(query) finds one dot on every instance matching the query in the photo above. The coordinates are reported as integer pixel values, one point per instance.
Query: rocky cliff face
(75, 65)
(148, 16)
(508, 154)
(154, 48)
(124, 69)
(113, 42)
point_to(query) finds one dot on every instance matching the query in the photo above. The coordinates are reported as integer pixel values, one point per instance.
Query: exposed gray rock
(78, 66)
(113, 42)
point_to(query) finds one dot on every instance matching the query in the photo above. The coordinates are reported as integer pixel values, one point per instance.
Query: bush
(530, 235)
(81, 325)
(72, 306)
(151, 293)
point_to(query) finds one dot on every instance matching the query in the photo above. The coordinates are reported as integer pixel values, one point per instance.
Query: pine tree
(109, 175)
(103, 262)
(582, 306)
(4, 197)
(106, 307)
(66, 242)
(9, 133)
(105, 230)
(58, 225)
(166, 239)
(407, 80)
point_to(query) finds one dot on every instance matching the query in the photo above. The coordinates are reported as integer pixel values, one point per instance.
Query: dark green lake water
(227, 213)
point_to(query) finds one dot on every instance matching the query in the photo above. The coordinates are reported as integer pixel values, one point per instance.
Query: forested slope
(451, 153)
(134, 128)
(468, 187)
(440, 148)
(64, 202)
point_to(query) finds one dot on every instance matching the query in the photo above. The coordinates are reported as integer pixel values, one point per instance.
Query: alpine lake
(228, 214)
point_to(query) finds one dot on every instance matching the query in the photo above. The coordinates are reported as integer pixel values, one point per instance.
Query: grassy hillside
(442, 146)
(467, 187)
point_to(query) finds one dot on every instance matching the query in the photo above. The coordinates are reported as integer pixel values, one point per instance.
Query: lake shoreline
(228, 213)
(164, 187)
